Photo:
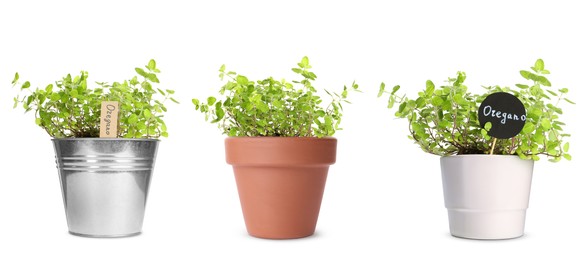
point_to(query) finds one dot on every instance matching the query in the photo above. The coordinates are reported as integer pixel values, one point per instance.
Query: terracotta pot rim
(281, 137)
(280, 151)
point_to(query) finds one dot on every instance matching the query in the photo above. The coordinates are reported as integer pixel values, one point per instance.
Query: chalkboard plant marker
(280, 146)
(104, 181)
(486, 183)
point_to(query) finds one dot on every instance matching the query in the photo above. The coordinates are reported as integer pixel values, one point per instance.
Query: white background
(383, 198)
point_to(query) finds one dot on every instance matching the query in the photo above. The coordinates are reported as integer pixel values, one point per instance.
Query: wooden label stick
(493, 146)
(109, 119)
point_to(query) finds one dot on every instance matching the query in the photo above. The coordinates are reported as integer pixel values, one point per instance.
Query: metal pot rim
(106, 139)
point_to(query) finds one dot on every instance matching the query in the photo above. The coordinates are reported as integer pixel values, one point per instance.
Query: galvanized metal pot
(105, 183)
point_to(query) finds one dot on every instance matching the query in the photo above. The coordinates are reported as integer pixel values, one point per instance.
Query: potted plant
(280, 147)
(486, 181)
(104, 181)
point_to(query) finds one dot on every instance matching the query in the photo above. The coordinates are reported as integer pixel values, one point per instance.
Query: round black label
(505, 112)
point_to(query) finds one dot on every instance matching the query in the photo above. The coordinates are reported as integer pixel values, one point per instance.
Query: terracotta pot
(280, 182)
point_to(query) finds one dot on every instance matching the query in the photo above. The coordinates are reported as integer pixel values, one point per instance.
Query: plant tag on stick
(109, 119)
(505, 112)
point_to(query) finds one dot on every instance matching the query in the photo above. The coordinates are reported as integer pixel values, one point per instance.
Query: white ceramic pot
(486, 195)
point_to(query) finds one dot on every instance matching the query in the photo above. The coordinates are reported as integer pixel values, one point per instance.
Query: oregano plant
(271, 107)
(70, 108)
(444, 120)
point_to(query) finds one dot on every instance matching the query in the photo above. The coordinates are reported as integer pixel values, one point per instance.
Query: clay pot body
(280, 182)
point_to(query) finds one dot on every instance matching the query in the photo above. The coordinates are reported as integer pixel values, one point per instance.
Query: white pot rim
(483, 155)
(492, 155)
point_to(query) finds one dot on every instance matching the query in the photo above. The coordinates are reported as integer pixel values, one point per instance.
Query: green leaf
(147, 114)
(344, 93)
(546, 124)
(242, 80)
(460, 78)
(552, 93)
(134, 81)
(522, 86)
(528, 128)
(484, 133)
(164, 134)
(391, 101)
(437, 101)
(211, 101)
(488, 126)
(429, 87)
(539, 137)
(328, 121)
(394, 89)
(141, 72)
(381, 91)
(304, 63)
(566, 147)
(174, 100)
(151, 64)
(567, 156)
(569, 101)
(153, 78)
(525, 74)
(25, 85)
(458, 98)
(38, 121)
(147, 86)
(219, 112)
(55, 97)
(544, 81)
(420, 102)
(262, 106)
(132, 119)
(141, 126)
(16, 77)
(539, 66)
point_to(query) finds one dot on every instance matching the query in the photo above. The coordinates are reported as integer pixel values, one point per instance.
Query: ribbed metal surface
(105, 163)
(105, 184)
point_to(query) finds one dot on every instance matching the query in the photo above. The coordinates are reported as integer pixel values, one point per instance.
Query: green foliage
(270, 107)
(444, 120)
(69, 108)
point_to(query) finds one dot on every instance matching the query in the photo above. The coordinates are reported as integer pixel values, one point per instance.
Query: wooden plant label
(506, 114)
(109, 116)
